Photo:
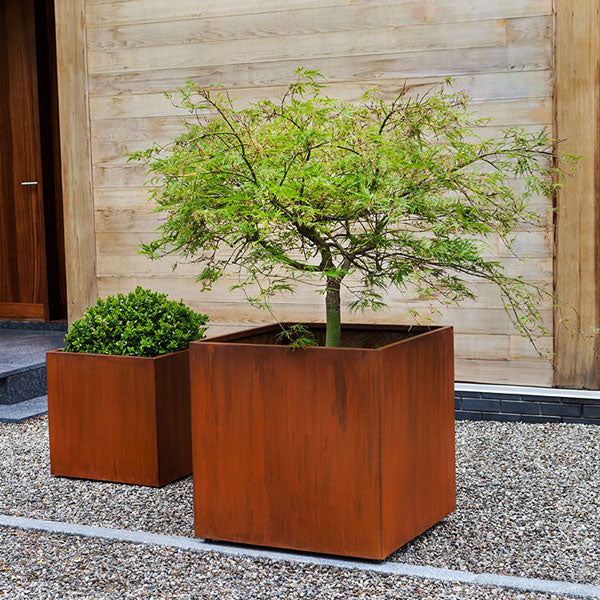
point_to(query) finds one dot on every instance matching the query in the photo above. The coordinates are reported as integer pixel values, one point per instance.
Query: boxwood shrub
(141, 323)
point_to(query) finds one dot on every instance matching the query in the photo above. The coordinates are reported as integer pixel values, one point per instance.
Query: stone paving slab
(21, 349)
(35, 325)
(21, 411)
(24, 383)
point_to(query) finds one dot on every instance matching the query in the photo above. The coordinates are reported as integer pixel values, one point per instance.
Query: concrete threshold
(523, 390)
(525, 584)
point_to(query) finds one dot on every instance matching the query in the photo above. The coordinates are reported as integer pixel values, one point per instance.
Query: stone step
(20, 411)
(35, 325)
(22, 383)
(23, 361)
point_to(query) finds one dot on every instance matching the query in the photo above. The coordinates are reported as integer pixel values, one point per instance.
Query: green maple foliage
(362, 195)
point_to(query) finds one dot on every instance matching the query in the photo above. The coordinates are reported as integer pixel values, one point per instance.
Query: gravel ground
(28, 490)
(528, 499)
(37, 565)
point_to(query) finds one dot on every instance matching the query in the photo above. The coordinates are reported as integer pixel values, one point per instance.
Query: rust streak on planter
(119, 418)
(345, 451)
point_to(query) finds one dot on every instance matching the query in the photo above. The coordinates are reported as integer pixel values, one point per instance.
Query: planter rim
(59, 351)
(228, 339)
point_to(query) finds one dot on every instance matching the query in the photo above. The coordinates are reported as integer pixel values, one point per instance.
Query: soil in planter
(352, 336)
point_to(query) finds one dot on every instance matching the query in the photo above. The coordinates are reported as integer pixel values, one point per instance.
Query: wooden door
(23, 281)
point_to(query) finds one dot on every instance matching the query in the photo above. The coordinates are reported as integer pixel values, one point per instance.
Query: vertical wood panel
(75, 153)
(50, 143)
(22, 249)
(577, 264)
(8, 276)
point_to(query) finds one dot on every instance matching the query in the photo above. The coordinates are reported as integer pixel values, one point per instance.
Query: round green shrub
(141, 323)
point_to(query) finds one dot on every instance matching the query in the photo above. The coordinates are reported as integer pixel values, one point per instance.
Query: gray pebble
(40, 565)
(528, 500)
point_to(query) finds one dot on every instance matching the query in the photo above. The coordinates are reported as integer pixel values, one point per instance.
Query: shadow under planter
(119, 418)
(346, 451)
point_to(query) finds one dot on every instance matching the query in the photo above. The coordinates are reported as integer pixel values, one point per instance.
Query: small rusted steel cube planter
(119, 418)
(346, 451)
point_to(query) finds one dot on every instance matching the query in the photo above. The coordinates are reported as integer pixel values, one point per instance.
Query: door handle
(29, 183)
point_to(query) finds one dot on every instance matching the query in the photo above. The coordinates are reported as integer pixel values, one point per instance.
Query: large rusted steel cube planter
(345, 451)
(119, 418)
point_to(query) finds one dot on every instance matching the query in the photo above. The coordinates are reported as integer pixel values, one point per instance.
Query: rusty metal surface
(119, 418)
(344, 451)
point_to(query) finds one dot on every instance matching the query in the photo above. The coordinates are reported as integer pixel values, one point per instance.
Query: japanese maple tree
(361, 196)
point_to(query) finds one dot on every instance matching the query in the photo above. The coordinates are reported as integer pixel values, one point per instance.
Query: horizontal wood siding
(499, 51)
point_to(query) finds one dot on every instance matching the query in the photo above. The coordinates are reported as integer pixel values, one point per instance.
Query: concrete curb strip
(384, 568)
(522, 390)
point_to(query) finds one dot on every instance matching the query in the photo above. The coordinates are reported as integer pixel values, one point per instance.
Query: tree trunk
(333, 309)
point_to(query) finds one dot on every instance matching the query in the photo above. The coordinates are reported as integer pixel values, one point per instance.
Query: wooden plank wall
(499, 51)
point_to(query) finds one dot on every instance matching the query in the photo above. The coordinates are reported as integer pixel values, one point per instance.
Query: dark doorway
(32, 273)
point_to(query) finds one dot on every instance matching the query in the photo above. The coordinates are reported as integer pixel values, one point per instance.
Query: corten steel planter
(119, 418)
(345, 451)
